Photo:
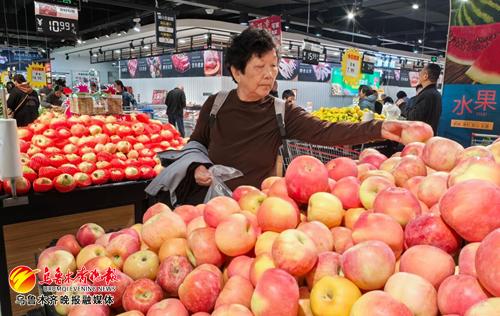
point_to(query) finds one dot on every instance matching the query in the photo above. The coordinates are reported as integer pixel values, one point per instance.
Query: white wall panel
(80, 62)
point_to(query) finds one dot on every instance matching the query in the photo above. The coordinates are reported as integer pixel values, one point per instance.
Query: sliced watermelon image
(486, 68)
(466, 43)
(475, 12)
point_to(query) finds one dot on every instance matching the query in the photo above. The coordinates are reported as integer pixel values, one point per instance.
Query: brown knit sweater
(246, 135)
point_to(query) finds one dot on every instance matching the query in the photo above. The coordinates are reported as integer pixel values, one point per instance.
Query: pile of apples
(65, 153)
(378, 236)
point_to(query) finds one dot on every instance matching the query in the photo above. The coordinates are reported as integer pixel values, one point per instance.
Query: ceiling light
(350, 15)
(117, 51)
(137, 27)
(415, 50)
(182, 41)
(94, 55)
(415, 6)
(96, 38)
(79, 41)
(107, 35)
(419, 41)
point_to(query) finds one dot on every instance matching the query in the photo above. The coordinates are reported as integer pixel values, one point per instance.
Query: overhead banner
(193, 64)
(271, 24)
(165, 28)
(296, 70)
(472, 74)
(400, 78)
(340, 87)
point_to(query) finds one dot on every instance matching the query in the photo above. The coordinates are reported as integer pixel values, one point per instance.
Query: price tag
(55, 20)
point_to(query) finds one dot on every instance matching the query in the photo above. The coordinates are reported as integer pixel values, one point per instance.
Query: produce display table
(27, 229)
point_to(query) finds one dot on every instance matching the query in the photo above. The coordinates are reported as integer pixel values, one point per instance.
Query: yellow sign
(472, 124)
(4, 77)
(36, 75)
(351, 66)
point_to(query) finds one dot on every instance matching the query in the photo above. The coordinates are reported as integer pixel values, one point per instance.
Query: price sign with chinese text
(351, 66)
(36, 75)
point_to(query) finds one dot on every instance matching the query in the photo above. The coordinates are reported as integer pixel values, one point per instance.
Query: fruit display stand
(28, 229)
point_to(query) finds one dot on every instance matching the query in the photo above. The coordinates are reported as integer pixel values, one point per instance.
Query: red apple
(141, 295)
(467, 259)
(341, 167)
(376, 226)
(68, 242)
(430, 229)
(237, 290)
(265, 242)
(399, 203)
(319, 234)
(475, 152)
(202, 247)
(431, 263)
(121, 283)
(347, 190)
(218, 208)
(53, 258)
(172, 272)
(276, 293)
(342, 239)
(266, 184)
(441, 154)
(252, 201)
(199, 291)
(475, 168)
(240, 266)
(491, 306)
(415, 149)
(488, 262)
(276, 214)
(234, 236)
(278, 189)
(472, 209)
(415, 292)
(416, 132)
(407, 168)
(370, 188)
(375, 159)
(432, 188)
(458, 293)
(168, 307)
(162, 226)
(122, 246)
(379, 303)
(198, 222)
(88, 253)
(369, 264)
(241, 191)
(325, 208)
(173, 247)
(88, 233)
(142, 264)
(328, 264)
(232, 310)
(188, 212)
(305, 176)
(390, 164)
(294, 252)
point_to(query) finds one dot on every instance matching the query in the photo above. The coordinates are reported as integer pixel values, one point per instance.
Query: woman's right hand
(202, 176)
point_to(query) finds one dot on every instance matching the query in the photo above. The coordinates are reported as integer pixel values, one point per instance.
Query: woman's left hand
(392, 129)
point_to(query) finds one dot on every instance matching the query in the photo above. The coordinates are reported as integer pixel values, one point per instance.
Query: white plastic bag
(220, 174)
(391, 111)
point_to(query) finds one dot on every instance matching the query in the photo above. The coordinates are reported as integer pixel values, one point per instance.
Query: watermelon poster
(472, 73)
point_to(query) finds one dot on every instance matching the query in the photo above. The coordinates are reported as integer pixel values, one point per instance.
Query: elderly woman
(245, 134)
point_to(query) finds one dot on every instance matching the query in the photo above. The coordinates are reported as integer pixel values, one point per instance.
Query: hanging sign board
(36, 75)
(165, 28)
(351, 66)
(272, 24)
(56, 20)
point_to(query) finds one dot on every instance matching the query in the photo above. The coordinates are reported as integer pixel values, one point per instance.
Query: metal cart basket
(482, 139)
(296, 148)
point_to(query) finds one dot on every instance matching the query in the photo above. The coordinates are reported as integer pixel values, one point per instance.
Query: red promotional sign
(270, 23)
(159, 96)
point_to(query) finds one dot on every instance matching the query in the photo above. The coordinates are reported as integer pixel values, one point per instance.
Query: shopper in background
(54, 98)
(401, 95)
(288, 96)
(245, 133)
(176, 102)
(367, 98)
(274, 90)
(9, 86)
(127, 98)
(388, 100)
(93, 87)
(427, 106)
(23, 102)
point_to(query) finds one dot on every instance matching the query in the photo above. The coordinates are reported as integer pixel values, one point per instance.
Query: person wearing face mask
(246, 132)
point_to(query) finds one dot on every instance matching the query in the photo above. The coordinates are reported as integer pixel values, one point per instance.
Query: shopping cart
(482, 139)
(294, 148)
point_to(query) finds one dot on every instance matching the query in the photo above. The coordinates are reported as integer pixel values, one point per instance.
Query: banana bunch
(351, 114)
